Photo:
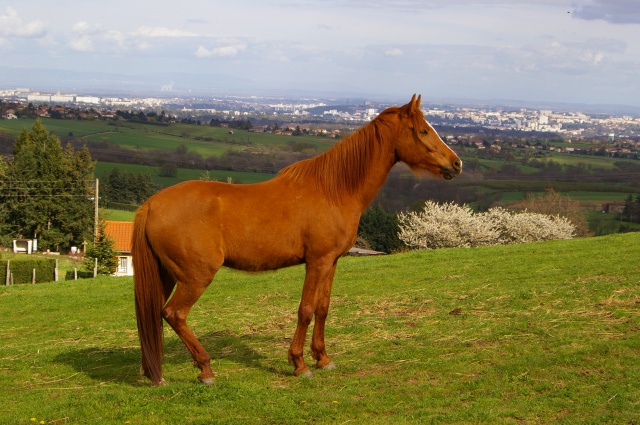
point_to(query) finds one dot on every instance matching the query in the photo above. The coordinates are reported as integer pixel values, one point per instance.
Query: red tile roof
(120, 232)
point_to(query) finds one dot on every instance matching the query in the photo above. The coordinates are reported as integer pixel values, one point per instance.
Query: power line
(49, 181)
(65, 195)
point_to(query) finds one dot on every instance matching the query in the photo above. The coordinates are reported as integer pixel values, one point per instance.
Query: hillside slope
(535, 333)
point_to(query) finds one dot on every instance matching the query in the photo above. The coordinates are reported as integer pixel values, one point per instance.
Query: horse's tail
(149, 299)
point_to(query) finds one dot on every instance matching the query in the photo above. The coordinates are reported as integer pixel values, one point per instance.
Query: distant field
(117, 215)
(588, 160)
(58, 127)
(148, 136)
(584, 197)
(144, 137)
(496, 164)
(183, 174)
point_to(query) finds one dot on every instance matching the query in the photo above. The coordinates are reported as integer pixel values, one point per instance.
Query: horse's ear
(415, 102)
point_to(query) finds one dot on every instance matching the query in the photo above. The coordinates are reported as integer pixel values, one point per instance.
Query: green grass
(183, 174)
(58, 127)
(147, 136)
(591, 198)
(528, 334)
(588, 160)
(117, 215)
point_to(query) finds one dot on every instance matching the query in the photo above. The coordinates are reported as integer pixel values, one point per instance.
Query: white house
(120, 233)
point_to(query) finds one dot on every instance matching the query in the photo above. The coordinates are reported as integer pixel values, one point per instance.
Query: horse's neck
(351, 172)
(377, 168)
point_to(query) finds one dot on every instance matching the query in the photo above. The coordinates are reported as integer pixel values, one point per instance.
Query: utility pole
(95, 212)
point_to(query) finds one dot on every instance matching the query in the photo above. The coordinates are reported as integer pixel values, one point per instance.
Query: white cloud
(221, 51)
(394, 52)
(115, 37)
(201, 52)
(82, 43)
(81, 26)
(11, 25)
(161, 32)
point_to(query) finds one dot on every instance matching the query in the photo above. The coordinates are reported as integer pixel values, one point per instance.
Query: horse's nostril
(457, 165)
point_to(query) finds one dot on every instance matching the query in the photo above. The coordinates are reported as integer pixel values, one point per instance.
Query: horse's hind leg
(175, 313)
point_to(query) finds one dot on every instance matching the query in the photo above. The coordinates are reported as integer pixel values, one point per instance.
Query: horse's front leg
(316, 275)
(322, 309)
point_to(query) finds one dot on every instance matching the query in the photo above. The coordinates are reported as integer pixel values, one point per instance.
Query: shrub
(444, 226)
(526, 226)
(22, 270)
(553, 203)
(379, 228)
(449, 225)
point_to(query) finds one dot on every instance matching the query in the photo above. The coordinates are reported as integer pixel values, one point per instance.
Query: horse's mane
(343, 168)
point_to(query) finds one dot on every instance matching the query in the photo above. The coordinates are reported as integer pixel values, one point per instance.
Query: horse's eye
(424, 131)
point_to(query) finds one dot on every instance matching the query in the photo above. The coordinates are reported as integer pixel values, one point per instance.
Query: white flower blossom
(450, 225)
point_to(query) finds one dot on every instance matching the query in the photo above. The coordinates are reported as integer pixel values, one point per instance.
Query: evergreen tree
(379, 227)
(126, 188)
(46, 191)
(103, 250)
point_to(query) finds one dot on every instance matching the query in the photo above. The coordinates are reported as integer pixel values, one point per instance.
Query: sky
(569, 51)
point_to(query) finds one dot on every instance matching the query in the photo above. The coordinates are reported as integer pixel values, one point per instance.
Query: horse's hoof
(328, 366)
(304, 373)
(160, 383)
(207, 380)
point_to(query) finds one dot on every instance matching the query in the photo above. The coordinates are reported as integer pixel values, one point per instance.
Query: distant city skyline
(566, 51)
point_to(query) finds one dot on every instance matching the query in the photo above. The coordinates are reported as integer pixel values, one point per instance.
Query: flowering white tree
(444, 226)
(526, 226)
(451, 225)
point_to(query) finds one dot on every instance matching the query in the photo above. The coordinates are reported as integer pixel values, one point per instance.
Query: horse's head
(419, 146)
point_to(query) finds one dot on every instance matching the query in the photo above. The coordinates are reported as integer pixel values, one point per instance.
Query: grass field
(117, 215)
(528, 334)
(587, 198)
(183, 174)
(147, 136)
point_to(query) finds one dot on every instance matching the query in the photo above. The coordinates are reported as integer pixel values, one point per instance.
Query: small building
(616, 207)
(120, 232)
(25, 246)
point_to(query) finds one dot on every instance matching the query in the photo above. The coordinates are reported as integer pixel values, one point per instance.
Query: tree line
(46, 192)
(631, 209)
(125, 187)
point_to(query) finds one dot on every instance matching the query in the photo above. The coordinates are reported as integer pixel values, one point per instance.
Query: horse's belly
(262, 257)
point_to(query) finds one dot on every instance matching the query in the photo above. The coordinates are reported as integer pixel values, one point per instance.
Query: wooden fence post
(7, 279)
(95, 268)
(33, 276)
(55, 272)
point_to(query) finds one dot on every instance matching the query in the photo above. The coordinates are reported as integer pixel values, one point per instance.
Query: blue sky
(573, 51)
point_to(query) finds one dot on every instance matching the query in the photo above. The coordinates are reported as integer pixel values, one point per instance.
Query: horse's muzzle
(454, 171)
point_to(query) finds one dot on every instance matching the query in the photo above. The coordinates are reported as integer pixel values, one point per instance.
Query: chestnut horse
(308, 213)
